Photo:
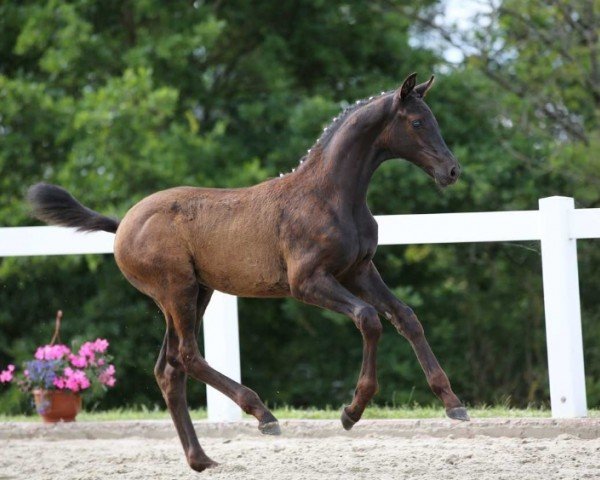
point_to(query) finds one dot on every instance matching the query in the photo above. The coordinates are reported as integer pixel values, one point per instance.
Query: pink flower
(87, 352)
(78, 361)
(75, 380)
(52, 352)
(7, 375)
(86, 349)
(70, 370)
(100, 345)
(107, 376)
(60, 382)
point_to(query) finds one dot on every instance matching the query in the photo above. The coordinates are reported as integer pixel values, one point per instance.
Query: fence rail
(557, 225)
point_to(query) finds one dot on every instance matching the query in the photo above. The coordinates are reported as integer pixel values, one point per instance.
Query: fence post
(563, 312)
(222, 352)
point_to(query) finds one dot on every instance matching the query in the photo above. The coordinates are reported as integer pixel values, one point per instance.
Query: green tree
(541, 62)
(120, 99)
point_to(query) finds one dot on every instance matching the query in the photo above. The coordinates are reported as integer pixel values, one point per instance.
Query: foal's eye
(417, 123)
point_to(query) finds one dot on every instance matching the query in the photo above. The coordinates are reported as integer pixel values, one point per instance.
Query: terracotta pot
(57, 405)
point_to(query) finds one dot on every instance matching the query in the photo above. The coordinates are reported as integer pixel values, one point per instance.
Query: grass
(407, 412)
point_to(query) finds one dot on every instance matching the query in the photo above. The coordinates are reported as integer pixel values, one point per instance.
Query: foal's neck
(343, 167)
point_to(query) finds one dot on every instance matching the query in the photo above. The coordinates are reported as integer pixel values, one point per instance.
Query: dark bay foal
(308, 234)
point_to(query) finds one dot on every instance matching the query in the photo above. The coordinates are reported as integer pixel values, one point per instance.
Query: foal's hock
(307, 234)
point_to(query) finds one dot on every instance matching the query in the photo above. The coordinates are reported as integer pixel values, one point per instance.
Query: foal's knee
(407, 323)
(368, 322)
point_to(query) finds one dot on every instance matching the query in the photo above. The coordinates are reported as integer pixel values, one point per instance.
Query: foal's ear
(407, 86)
(422, 89)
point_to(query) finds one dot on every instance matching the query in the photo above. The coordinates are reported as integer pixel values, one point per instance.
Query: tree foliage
(115, 100)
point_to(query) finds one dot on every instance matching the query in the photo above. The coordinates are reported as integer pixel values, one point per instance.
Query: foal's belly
(244, 273)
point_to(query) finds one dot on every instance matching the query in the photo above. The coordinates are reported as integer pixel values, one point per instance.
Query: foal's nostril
(454, 172)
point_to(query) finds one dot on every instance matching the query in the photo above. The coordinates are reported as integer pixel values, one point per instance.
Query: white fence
(557, 224)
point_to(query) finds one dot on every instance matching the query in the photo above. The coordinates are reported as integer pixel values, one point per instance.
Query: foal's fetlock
(347, 421)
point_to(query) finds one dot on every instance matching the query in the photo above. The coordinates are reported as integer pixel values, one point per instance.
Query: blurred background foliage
(114, 100)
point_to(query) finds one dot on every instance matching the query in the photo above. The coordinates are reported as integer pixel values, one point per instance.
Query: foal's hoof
(347, 422)
(201, 465)
(458, 413)
(270, 428)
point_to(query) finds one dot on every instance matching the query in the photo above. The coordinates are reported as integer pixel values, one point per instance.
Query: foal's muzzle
(447, 176)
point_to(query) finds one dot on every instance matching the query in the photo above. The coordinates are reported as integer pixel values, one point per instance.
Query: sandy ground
(311, 450)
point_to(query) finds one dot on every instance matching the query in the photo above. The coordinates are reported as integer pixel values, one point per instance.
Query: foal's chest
(367, 237)
(358, 245)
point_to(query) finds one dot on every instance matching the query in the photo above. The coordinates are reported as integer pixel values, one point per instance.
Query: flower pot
(57, 405)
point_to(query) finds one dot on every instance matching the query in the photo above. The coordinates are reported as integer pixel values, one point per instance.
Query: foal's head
(413, 133)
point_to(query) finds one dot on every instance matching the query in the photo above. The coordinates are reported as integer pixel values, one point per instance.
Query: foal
(308, 234)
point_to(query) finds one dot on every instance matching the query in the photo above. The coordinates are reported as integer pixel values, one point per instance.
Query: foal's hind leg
(184, 308)
(172, 380)
(368, 285)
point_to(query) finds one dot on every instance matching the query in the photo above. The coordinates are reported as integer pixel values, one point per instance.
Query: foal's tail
(56, 206)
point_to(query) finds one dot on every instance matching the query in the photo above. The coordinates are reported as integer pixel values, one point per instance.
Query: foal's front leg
(323, 290)
(369, 286)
